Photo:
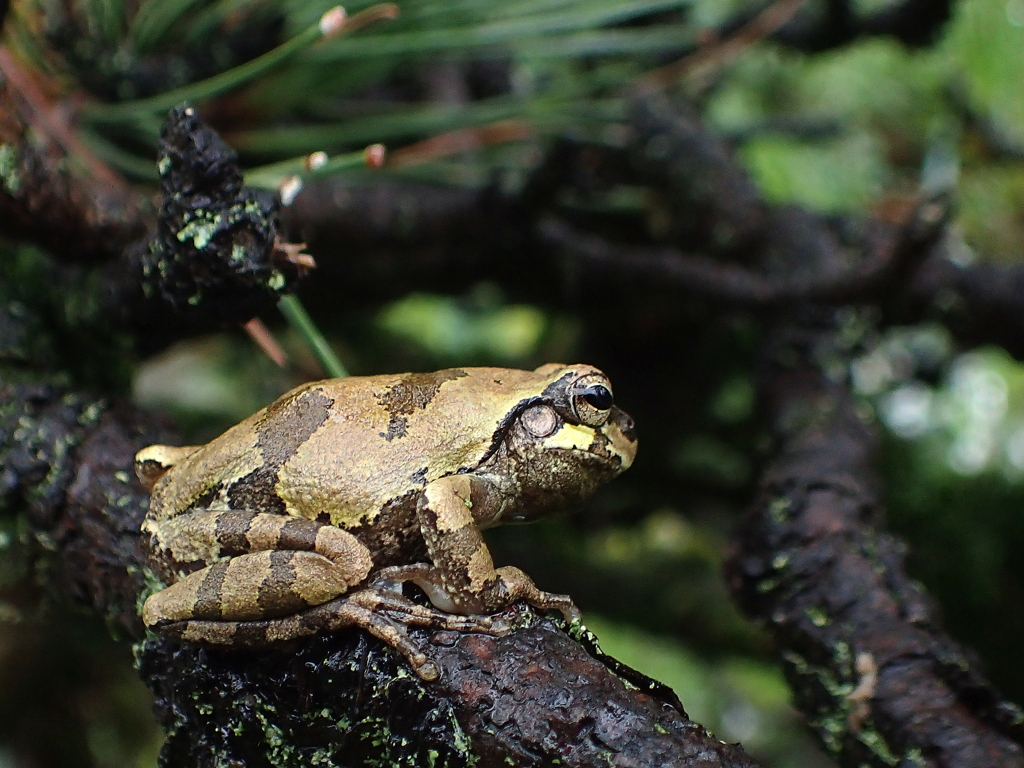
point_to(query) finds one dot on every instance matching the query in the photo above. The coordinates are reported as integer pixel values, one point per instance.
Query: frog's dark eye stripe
(598, 396)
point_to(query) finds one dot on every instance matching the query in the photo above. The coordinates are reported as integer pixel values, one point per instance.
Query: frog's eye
(598, 396)
(591, 400)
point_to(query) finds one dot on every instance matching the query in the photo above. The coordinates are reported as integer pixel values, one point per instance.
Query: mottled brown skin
(310, 514)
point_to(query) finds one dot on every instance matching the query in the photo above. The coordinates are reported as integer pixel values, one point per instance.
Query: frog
(314, 513)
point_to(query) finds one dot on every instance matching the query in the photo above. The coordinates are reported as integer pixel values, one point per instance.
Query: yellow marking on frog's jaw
(619, 445)
(610, 444)
(571, 437)
(625, 458)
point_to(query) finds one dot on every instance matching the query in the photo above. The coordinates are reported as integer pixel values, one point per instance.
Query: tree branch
(730, 284)
(860, 642)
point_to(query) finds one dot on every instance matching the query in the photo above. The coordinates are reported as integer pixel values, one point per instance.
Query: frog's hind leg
(258, 585)
(273, 565)
(382, 613)
(283, 578)
(207, 534)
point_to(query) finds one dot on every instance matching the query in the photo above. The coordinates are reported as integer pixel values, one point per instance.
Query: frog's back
(341, 450)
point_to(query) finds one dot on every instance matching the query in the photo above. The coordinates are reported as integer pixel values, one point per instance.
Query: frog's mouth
(615, 443)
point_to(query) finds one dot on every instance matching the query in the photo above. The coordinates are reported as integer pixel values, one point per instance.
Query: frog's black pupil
(598, 396)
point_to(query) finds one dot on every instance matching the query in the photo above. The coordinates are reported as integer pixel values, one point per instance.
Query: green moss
(462, 742)
(200, 231)
(839, 723)
(277, 281)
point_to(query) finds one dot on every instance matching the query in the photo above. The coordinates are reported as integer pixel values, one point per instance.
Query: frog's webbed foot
(509, 585)
(382, 612)
(382, 600)
(512, 585)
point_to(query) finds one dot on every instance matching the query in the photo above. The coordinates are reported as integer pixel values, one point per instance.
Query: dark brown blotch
(208, 597)
(257, 491)
(285, 426)
(276, 596)
(205, 499)
(289, 423)
(397, 427)
(231, 533)
(298, 534)
(413, 391)
(395, 536)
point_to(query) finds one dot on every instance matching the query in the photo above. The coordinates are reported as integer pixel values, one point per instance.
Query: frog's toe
(426, 669)
(572, 614)
(496, 625)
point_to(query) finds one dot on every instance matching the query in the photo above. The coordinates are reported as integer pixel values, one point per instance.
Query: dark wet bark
(533, 698)
(215, 259)
(212, 259)
(862, 644)
(75, 216)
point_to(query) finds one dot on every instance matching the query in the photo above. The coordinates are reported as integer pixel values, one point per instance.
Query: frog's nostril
(627, 427)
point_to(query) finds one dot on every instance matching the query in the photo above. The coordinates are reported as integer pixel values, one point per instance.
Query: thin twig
(265, 340)
(734, 284)
(761, 26)
(462, 140)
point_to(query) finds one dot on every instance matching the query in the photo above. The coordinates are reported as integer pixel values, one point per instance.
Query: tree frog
(309, 515)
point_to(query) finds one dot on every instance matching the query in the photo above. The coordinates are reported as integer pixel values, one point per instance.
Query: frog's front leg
(463, 578)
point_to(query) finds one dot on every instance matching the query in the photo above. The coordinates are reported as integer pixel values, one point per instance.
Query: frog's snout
(626, 425)
(622, 434)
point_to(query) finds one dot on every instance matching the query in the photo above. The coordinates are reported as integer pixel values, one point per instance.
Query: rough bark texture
(66, 211)
(862, 644)
(532, 698)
